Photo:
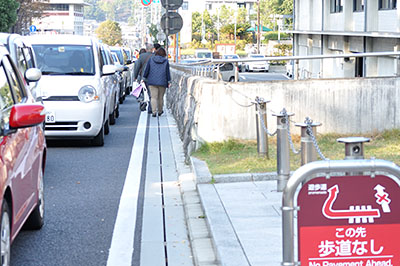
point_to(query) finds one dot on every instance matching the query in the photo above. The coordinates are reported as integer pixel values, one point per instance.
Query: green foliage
(27, 11)
(153, 32)
(271, 7)
(241, 53)
(93, 11)
(200, 23)
(221, 147)
(236, 156)
(273, 35)
(282, 50)
(188, 51)
(99, 10)
(109, 32)
(8, 14)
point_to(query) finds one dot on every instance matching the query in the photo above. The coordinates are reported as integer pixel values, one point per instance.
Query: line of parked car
(51, 86)
(227, 70)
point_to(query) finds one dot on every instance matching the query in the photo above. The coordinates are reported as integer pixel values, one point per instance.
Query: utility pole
(167, 27)
(258, 27)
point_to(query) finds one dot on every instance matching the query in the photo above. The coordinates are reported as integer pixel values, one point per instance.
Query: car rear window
(119, 54)
(55, 59)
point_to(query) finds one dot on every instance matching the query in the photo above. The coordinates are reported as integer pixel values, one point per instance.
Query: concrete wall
(207, 110)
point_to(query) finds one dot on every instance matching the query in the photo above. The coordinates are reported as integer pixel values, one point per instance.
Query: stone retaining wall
(207, 110)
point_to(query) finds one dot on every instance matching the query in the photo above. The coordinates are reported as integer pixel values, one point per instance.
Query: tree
(271, 7)
(117, 9)
(109, 32)
(8, 14)
(93, 11)
(198, 22)
(27, 11)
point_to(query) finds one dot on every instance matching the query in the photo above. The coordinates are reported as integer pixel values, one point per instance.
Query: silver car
(23, 56)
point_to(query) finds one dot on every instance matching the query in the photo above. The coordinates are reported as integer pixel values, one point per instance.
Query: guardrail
(210, 67)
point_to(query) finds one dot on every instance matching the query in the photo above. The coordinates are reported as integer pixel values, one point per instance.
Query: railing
(210, 67)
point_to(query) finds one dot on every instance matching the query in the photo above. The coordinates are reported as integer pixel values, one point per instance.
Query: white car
(114, 85)
(74, 86)
(257, 65)
(289, 68)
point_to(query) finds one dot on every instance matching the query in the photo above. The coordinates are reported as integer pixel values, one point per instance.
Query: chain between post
(289, 134)
(261, 114)
(309, 122)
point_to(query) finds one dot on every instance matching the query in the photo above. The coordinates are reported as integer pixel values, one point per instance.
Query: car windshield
(56, 59)
(204, 55)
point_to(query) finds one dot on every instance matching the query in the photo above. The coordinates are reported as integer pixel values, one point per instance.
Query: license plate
(50, 117)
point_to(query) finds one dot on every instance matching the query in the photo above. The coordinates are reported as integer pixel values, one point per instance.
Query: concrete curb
(228, 248)
(245, 177)
(199, 235)
(200, 169)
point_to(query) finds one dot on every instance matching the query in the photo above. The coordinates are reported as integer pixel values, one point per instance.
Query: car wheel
(112, 118)
(232, 79)
(5, 244)
(99, 139)
(36, 218)
(117, 111)
(107, 127)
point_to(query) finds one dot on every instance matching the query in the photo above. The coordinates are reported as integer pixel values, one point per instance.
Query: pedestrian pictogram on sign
(146, 2)
(349, 220)
(32, 28)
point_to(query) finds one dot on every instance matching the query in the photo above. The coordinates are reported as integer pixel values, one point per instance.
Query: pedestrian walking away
(158, 77)
(140, 65)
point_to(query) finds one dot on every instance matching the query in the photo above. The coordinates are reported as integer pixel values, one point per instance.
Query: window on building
(78, 8)
(185, 5)
(209, 6)
(58, 7)
(358, 5)
(336, 6)
(387, 4)
(240, 5)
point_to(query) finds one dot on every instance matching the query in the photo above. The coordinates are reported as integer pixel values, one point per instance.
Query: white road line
(121, 250)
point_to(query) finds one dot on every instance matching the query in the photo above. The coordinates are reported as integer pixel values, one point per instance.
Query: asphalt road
(83, 185)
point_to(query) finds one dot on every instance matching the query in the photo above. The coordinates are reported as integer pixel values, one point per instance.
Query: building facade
(62, 17)
(331, 27)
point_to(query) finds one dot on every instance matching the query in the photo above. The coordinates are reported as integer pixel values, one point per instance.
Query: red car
(22, 154)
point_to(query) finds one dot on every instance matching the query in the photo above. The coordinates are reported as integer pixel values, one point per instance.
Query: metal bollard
(353, 149)
(308, 152)
(262, 136)
(282, 150)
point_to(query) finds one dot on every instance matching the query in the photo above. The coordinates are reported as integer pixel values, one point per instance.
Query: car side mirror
(119, 67)
(128, 62)
(26, 115)
(33, 74)
(109, 69)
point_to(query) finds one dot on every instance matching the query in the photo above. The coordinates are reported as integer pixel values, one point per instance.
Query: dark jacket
(141, 64)
(157, 71)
